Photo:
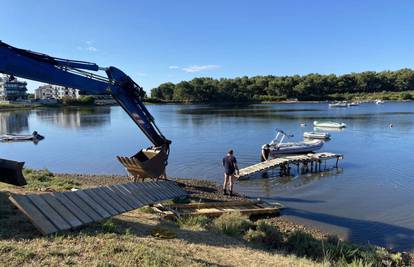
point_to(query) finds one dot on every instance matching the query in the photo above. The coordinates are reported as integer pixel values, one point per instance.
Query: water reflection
(76, 117)
(14, 122)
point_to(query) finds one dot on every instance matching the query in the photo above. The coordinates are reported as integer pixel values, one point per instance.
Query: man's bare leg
(226, 181)
(231, 180)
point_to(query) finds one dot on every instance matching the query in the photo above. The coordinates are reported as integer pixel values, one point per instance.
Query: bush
(82, 100)
(265, 234)
(194, 221)
(108, 226)
(305, 245)
(406, 96)
(232, 223)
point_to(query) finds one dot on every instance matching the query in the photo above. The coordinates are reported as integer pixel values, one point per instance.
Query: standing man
(230, 168)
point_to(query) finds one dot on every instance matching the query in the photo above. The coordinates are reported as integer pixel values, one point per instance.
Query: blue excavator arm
(71, 73)
(76, 74)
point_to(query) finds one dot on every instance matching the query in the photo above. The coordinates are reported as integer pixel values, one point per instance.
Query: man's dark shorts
(229, 165)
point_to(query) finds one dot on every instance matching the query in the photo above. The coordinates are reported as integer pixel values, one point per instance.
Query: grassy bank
(139, 238)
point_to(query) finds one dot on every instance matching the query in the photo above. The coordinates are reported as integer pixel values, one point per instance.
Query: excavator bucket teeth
(11, 172)
(147, 163)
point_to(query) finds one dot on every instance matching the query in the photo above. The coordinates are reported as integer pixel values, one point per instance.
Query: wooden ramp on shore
(53, 212)
(215, 209)
(284, 161)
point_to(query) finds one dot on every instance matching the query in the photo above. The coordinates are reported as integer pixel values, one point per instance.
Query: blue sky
(159, 41)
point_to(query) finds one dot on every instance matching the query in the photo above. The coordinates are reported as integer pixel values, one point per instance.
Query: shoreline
(13, 107)
(44, 181)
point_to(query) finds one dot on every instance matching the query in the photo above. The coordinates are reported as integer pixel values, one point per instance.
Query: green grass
(232, 223)
(44, 179)
(194, 222)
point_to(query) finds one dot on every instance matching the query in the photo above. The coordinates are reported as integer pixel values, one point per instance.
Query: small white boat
(316, 135)
(327, 129)
(277, 146)
(352, 104)
(338, 105)
(329, 124)
(379, 101)
(35, 137)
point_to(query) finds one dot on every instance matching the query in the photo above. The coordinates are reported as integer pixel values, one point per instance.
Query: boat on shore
(278, 147)
(35, 137)
(316, 135)
(329, 124)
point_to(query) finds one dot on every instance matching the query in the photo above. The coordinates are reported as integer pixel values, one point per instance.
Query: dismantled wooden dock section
(283, 161)
(53, 212)
(215, 209)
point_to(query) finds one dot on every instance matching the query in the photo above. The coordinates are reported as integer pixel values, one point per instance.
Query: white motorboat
(352, 104)
(338, 105)
(316, 135)
(329, 124)
(277, 146)
(379, 101)
(35, 137)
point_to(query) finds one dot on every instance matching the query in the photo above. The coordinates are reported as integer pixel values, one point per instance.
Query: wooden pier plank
(49, 212)
(52, 212)
(40, 221)
(138, 195)
(118, 207)
(92, 203)
(101, 201)
(66, 214)
(83, 205)
(117, 198)
(79, 213)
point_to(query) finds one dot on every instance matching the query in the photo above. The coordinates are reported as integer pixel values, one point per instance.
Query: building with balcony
(50, 91)
(12, 89)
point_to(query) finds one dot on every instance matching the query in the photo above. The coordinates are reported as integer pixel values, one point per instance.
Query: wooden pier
(311, 161)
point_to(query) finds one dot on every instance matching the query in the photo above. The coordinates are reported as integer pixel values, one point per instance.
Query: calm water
(369, 199)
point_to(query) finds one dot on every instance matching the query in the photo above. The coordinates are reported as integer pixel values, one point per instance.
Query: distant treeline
(275, 88)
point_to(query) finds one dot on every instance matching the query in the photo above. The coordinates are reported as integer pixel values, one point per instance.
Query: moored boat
(316, 135)
(278, 147)
(21, 137)
(329, 124)
(338, 105)
(352, 104)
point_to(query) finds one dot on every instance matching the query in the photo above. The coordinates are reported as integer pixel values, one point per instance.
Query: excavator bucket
(147, 163)
(11, 172)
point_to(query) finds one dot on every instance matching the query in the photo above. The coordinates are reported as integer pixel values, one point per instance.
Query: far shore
(19, 106)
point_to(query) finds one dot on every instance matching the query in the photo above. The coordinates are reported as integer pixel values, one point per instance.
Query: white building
(12, 89)
(50, 91)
